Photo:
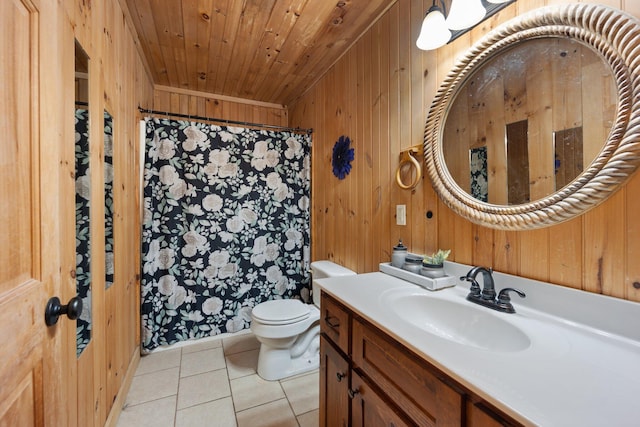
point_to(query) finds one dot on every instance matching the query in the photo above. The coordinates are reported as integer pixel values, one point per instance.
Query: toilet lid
(282, 311)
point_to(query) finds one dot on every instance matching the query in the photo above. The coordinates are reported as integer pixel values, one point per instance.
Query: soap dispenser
(398, 255)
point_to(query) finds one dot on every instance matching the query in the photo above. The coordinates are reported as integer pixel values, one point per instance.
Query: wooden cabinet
(371, 408)
(480, 415)
(406, 379)
(335, 322)
(346, 399)
(369, 379)
(334, 386)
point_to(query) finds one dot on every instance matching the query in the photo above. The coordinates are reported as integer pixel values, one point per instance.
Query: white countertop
(582, 367)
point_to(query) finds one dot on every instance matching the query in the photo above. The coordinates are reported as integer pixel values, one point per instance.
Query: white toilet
(289, 330)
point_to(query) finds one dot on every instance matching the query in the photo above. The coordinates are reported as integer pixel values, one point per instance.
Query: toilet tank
(324, 269)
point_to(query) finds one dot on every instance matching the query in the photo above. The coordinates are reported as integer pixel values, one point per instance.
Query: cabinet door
(334, 386)
(410, 382)
(480, 415)
(370, 409)
(335, 322)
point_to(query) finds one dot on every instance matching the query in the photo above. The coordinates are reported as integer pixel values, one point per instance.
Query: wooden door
(35, 360)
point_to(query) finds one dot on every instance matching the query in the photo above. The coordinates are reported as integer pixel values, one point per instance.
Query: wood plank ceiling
(262, 50)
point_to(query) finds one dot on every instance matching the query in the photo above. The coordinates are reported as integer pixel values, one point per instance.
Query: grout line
(204, 349)
(308, 412)
(205, 372)
(127, 406)
(175, 409)
(203, 403)
(233, 401)
(157, 371)
(290, 405)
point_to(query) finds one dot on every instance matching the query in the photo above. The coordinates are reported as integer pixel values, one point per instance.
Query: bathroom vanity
(368, 378)
(393, 353)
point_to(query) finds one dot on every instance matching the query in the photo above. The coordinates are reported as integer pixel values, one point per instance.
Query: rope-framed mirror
(599, 31)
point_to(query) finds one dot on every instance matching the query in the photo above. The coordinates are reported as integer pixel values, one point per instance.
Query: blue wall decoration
(342, 157)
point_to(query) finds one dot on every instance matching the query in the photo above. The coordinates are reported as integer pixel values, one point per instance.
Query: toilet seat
(280, 312)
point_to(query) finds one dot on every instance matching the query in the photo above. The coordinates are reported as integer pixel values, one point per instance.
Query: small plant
(437, 258)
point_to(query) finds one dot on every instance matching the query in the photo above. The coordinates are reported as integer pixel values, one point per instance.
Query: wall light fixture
(438, 28)
(434, 31)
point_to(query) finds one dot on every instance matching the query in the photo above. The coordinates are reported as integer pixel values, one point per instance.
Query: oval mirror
(538, 122)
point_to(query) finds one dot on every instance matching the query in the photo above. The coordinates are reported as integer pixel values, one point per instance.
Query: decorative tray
(432, 284)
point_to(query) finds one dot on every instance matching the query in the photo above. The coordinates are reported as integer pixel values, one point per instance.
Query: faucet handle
(504, 301)
(474, 291)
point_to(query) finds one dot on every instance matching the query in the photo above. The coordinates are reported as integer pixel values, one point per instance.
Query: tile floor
(214, 383)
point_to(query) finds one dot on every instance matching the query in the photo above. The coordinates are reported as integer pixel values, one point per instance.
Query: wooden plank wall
(118, 82)
(379, 94)
(201, 104)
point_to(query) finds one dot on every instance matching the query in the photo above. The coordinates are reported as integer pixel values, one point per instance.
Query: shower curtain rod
(232, 122)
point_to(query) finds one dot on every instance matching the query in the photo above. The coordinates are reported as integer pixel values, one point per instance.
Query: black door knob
(54, 309)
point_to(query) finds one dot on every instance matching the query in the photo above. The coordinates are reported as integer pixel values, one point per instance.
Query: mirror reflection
(83, 198)
(529, 120)
(108, 198)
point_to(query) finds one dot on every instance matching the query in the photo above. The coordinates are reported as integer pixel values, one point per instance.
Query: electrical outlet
(401, 214)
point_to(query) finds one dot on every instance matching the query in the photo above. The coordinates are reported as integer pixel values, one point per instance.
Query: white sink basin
(461, 322)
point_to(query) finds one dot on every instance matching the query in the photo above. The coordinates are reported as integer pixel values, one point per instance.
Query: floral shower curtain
(226, 226)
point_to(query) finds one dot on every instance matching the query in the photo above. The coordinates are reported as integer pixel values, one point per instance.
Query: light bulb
(465, 14)
(434, 32)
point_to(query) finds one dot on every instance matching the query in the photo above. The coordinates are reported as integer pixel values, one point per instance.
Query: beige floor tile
(201, 344)
(242, 364)
(274, 414)
(202, 388)
(298, 375)
(252, 391)
(310, 419)
(218, 413)
(203, 394)
(238, 343)
(159, 361)
(157, 413)
(303, 392)
(153, 386)
(202, 361)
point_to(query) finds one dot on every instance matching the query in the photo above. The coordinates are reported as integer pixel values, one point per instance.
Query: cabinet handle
(340, 376)
(332, 321)
(352, 392)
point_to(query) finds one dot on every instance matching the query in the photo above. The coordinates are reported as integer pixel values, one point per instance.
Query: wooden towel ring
(407, 157)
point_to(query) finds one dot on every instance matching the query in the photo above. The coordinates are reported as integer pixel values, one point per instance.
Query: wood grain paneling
(202, 104)
(38, 212)
(118, 83)
(268, 50)
(28, 346)
(593, 252)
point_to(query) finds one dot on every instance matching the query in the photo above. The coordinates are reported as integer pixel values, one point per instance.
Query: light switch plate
(401, 214)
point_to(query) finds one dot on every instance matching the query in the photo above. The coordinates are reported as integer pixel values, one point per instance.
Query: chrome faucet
(487, 297)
